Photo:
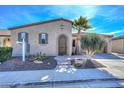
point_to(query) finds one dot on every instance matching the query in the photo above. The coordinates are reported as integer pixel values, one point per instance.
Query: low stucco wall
(118, 46)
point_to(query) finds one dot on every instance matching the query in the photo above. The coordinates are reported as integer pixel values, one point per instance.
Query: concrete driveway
(114, 67)
(104, 56)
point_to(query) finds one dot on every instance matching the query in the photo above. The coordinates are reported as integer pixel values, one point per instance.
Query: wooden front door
(62, 45)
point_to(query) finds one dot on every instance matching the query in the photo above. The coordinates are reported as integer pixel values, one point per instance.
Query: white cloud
(115, 32)
(92, 29)
(89, 11)
(113, 14)
(74, 11)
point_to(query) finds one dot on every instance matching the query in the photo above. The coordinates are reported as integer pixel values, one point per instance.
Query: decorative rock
(79, 61)
(48, 63)
(36, 61)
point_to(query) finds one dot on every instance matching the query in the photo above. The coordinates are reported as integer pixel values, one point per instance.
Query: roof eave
(38, 23)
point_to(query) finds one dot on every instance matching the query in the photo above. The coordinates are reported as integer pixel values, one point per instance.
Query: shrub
(5, 53)
(92, 44)
(39, 56)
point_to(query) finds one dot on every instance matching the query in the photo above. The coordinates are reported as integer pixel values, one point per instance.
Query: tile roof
(43, 22)
(82, 33)
(5, 33)
(119, 37)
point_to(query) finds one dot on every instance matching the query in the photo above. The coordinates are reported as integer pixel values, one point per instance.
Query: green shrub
(91, 44)
(39, 56)
(5, 53)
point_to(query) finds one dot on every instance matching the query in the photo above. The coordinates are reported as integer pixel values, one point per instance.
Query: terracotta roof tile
(119, 37)
(43, 22)
(5, 33)
(82, 33)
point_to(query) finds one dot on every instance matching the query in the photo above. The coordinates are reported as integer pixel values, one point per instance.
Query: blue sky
(104, 19)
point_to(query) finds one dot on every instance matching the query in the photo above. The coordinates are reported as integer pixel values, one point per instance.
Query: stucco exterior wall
(118, 46)
(53, 30)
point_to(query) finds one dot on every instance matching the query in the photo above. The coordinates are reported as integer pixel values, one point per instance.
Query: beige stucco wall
(118, 46)
(52, 29)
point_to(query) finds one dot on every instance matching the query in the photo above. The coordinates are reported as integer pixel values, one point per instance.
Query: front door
(62, 45)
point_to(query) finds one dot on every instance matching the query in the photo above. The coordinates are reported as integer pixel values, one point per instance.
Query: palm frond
(81, 23)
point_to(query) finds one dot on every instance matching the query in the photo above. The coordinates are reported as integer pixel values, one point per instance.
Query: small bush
(77, 65)
(5, 53)
(39, 57)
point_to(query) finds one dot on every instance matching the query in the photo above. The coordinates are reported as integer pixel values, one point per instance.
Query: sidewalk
(22, 77)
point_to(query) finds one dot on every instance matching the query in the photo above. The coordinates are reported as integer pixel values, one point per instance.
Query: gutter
(5, 35)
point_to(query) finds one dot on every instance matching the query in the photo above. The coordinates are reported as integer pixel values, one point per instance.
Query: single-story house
(5, 38)
(118, 44)
(52, 37)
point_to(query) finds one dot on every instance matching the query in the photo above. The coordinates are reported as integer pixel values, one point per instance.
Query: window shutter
(40, 41)
(19, 37)
(46, 38)
(28, 48)
(26, 37)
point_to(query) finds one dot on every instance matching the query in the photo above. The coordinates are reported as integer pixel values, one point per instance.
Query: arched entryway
(62, 45)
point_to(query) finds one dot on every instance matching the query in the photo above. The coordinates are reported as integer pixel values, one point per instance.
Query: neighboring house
(5, 38)
(107, 38)
(118, 44)
(52, 37)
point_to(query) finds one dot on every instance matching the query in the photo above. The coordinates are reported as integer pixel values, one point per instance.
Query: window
(73, 43)
(8, 39)
(43, 38)
(22, 35)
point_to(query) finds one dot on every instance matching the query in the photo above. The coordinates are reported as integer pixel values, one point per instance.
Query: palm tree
(80, 24)
(92, 44)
